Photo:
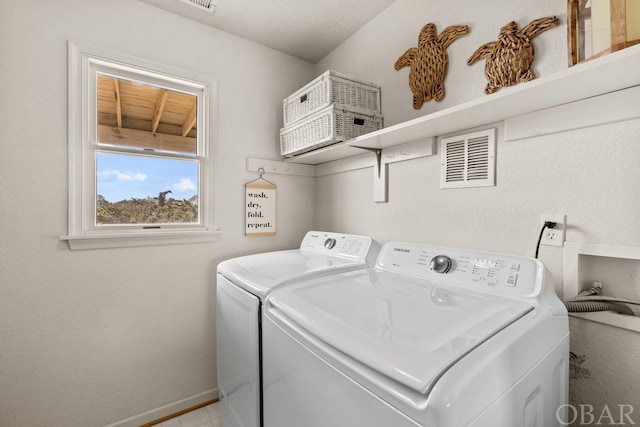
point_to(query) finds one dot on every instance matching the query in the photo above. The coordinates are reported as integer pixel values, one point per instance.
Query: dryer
(242, 284)
(431, 336)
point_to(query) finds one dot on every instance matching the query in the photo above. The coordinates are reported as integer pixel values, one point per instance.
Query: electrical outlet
(553, 236)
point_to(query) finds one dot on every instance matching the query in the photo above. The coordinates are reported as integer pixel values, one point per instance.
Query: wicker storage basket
(329, 88)
(325, 127)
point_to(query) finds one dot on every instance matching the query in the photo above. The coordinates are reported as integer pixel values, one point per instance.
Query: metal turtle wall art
(429, 62)
(508, 60)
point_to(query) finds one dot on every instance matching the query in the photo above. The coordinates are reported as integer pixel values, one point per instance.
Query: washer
(242, 285)
(431, 336)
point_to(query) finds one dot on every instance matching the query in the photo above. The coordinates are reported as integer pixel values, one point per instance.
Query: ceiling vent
(468, 160)
(208, 5)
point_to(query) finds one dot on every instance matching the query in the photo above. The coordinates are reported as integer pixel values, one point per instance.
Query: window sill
(105, 241)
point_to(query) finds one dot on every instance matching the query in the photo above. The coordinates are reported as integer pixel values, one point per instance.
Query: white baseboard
(163, 411)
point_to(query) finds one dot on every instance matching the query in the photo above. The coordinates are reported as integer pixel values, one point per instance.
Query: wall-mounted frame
(598, 27)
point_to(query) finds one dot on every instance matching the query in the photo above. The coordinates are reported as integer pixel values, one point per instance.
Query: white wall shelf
(598, 110)
(603, 75)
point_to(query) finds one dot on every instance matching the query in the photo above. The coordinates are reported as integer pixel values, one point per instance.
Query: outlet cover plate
(554, 236)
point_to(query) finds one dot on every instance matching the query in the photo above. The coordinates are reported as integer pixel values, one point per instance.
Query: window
(140, 152)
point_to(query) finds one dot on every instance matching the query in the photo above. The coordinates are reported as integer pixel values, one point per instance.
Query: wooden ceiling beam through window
(116, 88)
(190, 121)
(145, 139)
(159, 108)
(141, 124)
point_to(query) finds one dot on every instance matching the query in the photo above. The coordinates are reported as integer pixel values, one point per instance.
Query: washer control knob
(330, 243)
(441, 264)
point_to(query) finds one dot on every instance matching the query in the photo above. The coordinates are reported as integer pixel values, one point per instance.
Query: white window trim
(81, 235)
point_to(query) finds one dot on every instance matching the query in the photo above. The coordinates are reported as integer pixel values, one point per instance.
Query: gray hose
(592, 300)
(603, 298)
(591, 306)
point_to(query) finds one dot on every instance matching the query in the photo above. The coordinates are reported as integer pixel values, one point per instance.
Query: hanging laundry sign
(260, 208)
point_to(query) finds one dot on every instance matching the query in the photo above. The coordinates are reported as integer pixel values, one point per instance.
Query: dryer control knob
(441, 264)
(330, 243)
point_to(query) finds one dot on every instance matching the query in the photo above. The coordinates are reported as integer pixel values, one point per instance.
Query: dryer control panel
(482, 271)
(337, 244)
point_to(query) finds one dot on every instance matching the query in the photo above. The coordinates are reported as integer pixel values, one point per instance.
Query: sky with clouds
(122, 177)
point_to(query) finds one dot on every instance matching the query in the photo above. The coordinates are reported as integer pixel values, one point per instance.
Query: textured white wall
(92, 337)
(591, 175)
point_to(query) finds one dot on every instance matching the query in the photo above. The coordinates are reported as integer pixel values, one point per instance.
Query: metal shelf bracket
(380, 180)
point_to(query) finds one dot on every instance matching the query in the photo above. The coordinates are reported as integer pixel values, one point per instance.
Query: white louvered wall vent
(468, 160)
(208, 5)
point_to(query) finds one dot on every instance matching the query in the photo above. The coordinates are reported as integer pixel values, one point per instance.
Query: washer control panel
(483, 271)
(336, 244)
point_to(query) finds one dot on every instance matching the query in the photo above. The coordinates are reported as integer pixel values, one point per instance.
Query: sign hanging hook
(261, 172)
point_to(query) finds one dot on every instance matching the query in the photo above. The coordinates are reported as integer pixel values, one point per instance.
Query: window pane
(137, 189)
(136, 115)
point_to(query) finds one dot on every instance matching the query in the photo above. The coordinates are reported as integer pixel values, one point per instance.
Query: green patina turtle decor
(429, 62)
(508, 60)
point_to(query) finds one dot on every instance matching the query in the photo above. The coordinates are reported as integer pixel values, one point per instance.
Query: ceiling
(136, 115)
(306, 29)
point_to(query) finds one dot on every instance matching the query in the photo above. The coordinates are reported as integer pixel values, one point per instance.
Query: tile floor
(208, 416)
